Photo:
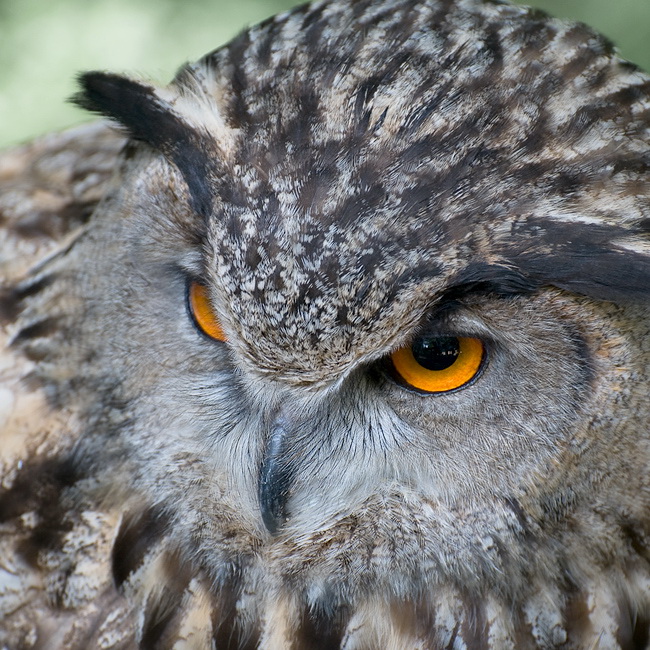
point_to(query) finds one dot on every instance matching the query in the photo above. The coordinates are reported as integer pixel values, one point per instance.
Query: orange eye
(202, 311)
(438, 364)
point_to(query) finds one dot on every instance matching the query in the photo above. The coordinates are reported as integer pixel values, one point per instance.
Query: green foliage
(43, 44)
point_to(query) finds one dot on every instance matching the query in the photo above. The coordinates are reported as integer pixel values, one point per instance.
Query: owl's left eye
(439, 364)
(203, 313)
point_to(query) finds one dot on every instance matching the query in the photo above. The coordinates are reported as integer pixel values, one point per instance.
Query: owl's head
(363, 318)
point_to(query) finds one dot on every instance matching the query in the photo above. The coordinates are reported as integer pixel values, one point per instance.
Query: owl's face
(308, 440)
(363, 324)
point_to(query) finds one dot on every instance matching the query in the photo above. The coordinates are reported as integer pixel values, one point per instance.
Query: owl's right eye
(203, 313)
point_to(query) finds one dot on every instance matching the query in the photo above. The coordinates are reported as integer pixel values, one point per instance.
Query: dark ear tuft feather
(139, 108)
(131, 103)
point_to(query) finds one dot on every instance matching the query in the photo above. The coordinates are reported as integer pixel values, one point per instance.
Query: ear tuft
(133, 104)
(140, 109)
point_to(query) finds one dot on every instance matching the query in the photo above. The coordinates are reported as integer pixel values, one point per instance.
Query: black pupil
(436, 353)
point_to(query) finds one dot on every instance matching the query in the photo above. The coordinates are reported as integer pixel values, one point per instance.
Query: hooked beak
(276, 476)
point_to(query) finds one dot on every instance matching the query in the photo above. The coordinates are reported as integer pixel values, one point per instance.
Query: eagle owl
(339, 340)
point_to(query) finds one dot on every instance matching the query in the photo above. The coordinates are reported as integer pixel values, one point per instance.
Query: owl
(339, 340)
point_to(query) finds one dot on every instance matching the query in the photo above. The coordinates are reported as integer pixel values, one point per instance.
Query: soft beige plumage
(365, 190)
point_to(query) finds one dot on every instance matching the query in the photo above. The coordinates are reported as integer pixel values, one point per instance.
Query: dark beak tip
(271, 522)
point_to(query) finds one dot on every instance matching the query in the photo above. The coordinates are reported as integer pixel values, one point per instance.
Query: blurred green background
(44, 43)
